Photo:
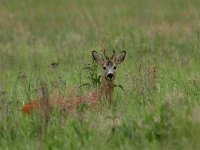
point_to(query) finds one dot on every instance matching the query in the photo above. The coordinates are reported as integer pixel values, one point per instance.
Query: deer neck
(107, 88)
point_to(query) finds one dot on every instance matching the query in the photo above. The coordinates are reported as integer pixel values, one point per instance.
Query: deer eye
(104, 68)
(114, 67)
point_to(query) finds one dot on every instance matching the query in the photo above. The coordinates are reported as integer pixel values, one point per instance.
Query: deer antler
(104, 52)
(113, 54)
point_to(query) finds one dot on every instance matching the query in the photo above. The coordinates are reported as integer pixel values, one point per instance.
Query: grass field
(159, 107)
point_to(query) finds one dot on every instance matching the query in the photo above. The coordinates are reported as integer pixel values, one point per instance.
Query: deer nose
(110, 75)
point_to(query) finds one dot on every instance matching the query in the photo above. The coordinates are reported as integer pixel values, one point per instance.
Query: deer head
(109, 64)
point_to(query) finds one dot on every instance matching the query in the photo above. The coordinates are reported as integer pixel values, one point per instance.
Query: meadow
(158, 107)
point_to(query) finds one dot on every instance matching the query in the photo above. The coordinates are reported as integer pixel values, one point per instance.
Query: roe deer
(44, 103)
(109, 65)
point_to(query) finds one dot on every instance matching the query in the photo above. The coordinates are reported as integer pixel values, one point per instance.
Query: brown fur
(107, 89)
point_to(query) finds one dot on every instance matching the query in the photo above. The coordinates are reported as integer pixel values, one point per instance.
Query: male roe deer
(109, 65)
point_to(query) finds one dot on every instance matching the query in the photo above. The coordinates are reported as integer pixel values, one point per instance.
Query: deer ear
(97, 57)
(119, 58)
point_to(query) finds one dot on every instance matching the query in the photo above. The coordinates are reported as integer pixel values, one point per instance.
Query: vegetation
(158, 107)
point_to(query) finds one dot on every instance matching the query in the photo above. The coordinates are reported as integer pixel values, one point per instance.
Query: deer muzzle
(110, 76)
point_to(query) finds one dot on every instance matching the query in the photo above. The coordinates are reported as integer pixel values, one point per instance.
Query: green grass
(160, 36)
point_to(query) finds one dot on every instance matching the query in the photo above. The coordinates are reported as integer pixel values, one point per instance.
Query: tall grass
(159, 107)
